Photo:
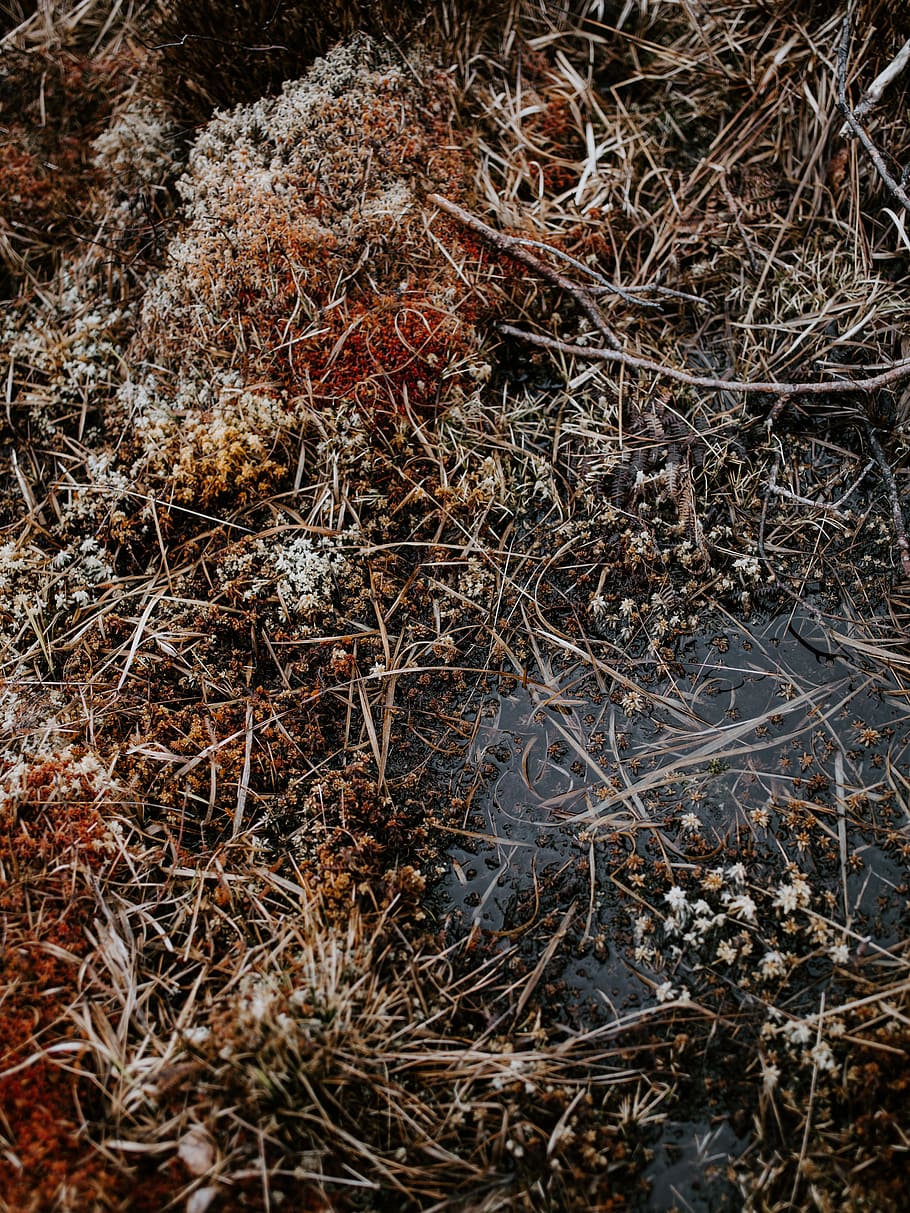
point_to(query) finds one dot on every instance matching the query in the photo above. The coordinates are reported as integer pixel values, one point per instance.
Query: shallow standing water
(751, 730)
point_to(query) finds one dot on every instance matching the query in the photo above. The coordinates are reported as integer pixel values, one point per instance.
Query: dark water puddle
(785, 746)
(748, 729)
(689, 1168)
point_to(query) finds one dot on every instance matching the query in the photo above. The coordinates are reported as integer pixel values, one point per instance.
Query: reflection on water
(777, 748)
(745, 722)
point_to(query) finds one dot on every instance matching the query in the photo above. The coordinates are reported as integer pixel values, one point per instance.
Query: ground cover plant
(454, 601)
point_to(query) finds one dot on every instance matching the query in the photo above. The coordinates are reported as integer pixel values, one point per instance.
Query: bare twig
(517, 249)
(900, 529)
(874, 92)
(894, 187)
(848, 492)
(779, 491)
(605, 286)
(895, 372)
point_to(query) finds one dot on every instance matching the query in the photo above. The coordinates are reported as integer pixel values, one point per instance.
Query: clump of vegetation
(364, 374)
(60, 844)
(305, 275)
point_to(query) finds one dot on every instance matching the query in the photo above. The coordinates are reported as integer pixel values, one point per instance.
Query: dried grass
(285, 514)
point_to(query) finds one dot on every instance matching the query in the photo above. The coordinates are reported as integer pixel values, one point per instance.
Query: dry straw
(501, 352)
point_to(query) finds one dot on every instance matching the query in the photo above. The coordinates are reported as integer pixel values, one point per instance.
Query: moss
(303, 232)
(56, 843)
(57, 103)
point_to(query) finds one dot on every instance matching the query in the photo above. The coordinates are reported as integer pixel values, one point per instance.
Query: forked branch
(894, 187)
(515, 248)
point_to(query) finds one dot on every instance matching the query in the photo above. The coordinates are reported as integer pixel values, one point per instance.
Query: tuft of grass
(288, 523)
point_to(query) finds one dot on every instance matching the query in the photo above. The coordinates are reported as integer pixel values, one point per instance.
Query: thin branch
(900, 529)
(894, 187)
(606, 287)
(516, 248)
(649, 288)
(874, 92)
(779, 491)
(894, 373)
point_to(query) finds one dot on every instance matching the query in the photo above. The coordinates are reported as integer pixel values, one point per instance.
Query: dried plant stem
(517, 249)
(900, 529)
(876, 89)
(895, 372)
(894, 187)
(780, 491)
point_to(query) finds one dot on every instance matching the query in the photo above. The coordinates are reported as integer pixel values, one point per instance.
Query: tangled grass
(287, 518)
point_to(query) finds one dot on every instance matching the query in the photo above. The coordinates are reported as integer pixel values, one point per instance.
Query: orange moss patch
(55, 846)
(392, 352)
(35, 196)
(389, 340)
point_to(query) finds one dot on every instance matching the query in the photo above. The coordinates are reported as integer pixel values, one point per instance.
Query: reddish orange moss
(54, 845)
(551, 128)
(390, 342)
(34, 195)
(392, 353)
(38, 833)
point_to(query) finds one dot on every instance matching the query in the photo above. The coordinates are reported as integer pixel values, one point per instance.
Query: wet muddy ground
(750, 720)
(764, 756)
